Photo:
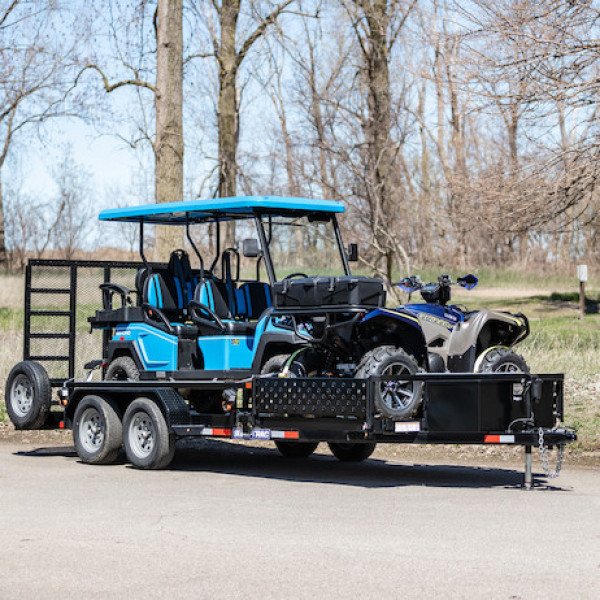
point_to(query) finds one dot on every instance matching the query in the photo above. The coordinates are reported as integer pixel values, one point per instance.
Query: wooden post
(582, 276)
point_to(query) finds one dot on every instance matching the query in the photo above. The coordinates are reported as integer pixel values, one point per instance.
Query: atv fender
(487, 328)
(399, 328)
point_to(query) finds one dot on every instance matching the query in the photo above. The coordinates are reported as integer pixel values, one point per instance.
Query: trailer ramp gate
(59, 297)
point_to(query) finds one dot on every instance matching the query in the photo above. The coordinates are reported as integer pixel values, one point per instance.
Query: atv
(298, 310)
(459, 340)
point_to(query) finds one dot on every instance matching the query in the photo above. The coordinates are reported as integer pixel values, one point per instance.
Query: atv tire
(503, 360)
(28, 395)
(396, 400)
(122, 368)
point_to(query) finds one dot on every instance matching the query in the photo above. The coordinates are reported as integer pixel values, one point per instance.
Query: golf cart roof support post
(340, 242)
(265, 247)
(217, 244)
(191, 241)
(142, 255)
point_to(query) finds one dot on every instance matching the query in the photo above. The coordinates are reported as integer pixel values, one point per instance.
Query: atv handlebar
(414, 282)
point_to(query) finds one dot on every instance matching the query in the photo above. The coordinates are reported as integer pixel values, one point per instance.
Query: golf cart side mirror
(250, 248)
(352, 252)
(468, 281)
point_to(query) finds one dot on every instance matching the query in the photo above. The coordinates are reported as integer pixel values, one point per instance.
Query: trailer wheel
(122, 368)
(395, 399)
(296, 449)
(349, 452)
(97, 430)
(28, 395)
(146, 437)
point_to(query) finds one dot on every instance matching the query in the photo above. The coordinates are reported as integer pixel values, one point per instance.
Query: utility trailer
(298, 413)
(297, 359)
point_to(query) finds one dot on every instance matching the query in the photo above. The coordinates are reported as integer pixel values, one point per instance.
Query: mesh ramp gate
(60, 295)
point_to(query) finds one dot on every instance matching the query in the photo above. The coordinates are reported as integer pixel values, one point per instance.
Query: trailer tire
(352, 452)
(97, 430)
(146, 437)
(122, 368)
(296, 449)
(399, 401)
(28, 395)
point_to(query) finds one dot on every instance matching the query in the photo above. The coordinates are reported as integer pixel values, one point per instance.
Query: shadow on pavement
(213, 456)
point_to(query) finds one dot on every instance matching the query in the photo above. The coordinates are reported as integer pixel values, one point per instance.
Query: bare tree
(32, 64)
(168, 140)
(229, 48)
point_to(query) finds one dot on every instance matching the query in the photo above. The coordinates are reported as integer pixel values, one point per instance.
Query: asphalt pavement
(228, 521)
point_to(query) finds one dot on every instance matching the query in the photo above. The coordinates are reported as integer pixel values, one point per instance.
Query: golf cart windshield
(306, 244)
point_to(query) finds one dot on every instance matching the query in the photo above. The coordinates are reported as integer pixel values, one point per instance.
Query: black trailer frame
(524, 409)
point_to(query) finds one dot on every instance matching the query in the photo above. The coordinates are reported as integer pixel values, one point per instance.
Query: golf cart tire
(377, 362)
(352, 452)
(122, 368)
(91, 412)
(274, 364)
(28, 395)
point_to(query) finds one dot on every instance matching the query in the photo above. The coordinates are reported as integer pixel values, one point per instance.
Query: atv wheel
(122, 368)
(349, 452)
(394, 399)
(296, 449)
(28, 395)
(502, 360)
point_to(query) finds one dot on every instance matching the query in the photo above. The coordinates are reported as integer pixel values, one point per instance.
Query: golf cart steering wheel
(157, 315)
(292, 275)
(199, 311)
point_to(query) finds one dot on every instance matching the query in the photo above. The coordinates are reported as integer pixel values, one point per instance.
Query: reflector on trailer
(499, 439)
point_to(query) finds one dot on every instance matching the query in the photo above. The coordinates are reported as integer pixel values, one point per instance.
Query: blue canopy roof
(238, 207)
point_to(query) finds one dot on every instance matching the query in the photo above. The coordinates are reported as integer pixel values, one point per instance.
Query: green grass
(3, 413)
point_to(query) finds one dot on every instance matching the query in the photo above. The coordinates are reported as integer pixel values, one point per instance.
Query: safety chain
(544, 456)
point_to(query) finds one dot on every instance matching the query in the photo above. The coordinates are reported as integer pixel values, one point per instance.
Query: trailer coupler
(558, 437)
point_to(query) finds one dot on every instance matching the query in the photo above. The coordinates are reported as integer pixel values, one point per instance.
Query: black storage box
(321, 292)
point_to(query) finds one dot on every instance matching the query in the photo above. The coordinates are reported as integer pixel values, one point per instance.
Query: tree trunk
(228, 116)
(168, 146)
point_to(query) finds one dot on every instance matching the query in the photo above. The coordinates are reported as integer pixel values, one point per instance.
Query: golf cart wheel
(296, 449)
(502, 360)
(122, 368)
(28, 395)
(352, 452)
(274, 364)
(146, 437)
(97, 430)
(393, 399)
